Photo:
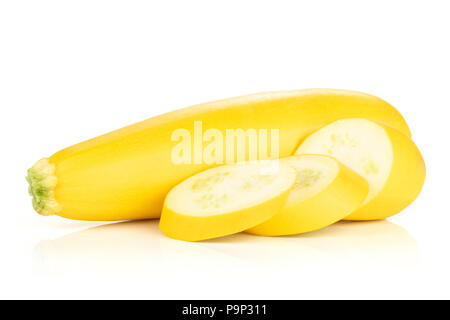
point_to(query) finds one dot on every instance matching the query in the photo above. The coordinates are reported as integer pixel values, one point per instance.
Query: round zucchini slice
(226, 200)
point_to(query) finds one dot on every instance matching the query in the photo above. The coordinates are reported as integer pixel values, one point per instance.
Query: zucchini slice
(226, 200)
(325, 192)
(385, 157)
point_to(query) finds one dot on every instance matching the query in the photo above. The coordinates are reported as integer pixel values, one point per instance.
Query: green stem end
(42, 180)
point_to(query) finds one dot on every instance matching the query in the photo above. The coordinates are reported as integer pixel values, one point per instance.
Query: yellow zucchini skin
(126, 174)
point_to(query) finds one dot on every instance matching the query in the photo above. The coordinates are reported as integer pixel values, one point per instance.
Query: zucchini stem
(42, 180)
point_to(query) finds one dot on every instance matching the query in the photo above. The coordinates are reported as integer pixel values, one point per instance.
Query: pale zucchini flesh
(226, 200)
(325, 192)
(386, 158)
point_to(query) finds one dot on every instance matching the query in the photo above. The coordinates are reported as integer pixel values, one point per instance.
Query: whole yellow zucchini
(126, 174)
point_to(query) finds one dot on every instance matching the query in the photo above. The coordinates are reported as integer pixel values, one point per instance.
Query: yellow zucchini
(127, 173)
(388, 159)
(325, 192)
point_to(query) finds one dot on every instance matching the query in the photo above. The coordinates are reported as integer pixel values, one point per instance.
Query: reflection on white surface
(345, 248)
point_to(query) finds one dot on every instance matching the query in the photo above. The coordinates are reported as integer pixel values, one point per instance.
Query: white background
(71, 70)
